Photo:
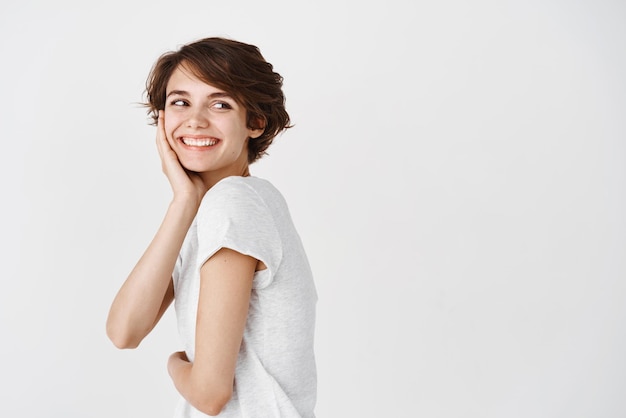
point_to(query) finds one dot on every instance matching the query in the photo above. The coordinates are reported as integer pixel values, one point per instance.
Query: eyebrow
(215, 95)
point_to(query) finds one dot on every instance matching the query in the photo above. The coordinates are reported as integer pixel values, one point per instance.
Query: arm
(225, 287)
(148, 290)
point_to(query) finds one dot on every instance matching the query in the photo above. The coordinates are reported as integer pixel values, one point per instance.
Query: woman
(226, 252)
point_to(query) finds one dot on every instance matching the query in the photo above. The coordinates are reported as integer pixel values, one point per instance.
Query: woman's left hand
(175, 361)
(179, 355)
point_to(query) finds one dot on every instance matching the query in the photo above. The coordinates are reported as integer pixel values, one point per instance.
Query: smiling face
(206, 127)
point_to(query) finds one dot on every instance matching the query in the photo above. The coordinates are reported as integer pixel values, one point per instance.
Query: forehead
(184, 79)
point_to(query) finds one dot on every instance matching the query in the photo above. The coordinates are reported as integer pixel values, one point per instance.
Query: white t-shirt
(275, 374)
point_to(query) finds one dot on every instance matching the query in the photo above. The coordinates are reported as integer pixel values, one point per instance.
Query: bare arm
(225, 287)
(148, 290)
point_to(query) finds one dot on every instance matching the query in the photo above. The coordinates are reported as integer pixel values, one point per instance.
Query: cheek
(169, 124)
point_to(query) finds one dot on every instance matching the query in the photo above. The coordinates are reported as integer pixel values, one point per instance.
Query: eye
(179, 102)
(222, 105)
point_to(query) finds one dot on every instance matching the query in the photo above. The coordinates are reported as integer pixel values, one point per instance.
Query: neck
(211, 178)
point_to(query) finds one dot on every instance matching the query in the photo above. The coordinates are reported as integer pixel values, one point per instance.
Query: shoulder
(235, 189)
(237, 214)
(240, 195)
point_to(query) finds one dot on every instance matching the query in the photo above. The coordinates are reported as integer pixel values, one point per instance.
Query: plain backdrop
(457, 172)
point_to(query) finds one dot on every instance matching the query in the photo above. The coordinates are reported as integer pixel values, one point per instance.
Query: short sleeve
(233, 215)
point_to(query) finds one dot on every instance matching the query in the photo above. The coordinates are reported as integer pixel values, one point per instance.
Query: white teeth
(193, 142)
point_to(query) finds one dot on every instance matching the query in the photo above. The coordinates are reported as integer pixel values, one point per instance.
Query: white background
(457, 173)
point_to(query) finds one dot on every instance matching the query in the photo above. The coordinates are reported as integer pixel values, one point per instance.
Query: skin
(199, 114)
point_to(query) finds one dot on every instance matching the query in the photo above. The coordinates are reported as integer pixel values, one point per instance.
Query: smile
(196, 142)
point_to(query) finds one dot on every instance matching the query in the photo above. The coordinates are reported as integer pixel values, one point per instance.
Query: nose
(197, 118)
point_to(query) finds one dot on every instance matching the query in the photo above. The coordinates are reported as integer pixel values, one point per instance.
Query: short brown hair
(237, 68)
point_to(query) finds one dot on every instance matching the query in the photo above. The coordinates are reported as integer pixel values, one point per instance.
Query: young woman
(227, 252)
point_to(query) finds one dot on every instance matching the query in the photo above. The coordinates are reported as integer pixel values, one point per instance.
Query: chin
(197, 170)
(195, 166)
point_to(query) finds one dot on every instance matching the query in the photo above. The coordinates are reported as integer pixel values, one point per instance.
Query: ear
(257, 127)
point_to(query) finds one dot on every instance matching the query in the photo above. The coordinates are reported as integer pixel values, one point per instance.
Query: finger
(169, 158)
(159, 138)
(161, 127)
(163, 145)
(161, 124)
